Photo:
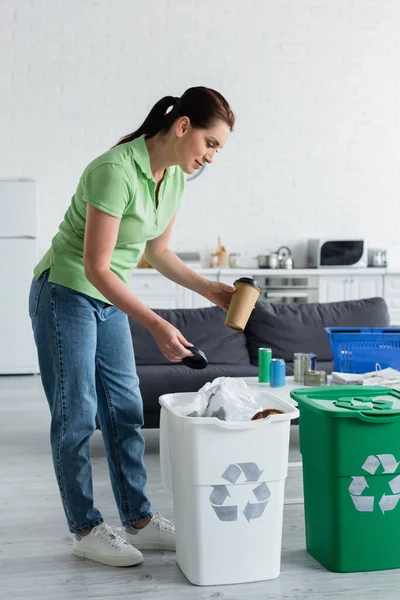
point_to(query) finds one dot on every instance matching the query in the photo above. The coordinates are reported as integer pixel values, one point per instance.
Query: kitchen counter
(283, 272)
(307, 272)
(392, 271)
(318, 285)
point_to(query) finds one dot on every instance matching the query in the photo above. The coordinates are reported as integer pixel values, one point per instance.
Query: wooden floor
(35, 549)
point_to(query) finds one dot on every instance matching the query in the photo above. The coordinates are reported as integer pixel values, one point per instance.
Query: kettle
(285, 257)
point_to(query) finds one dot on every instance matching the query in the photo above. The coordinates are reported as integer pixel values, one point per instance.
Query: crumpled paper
(381, 377)
(226, 398)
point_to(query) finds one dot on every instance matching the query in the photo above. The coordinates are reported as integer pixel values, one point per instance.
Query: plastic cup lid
(249, 281)
(197, 361)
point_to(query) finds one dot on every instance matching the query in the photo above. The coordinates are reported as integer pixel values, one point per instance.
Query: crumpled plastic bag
(226, 398)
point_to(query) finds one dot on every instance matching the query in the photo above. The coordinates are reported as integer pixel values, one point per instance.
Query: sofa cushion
(203, 327)
(289, 328)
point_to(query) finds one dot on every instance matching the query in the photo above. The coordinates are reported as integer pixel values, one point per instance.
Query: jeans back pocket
(34, 294)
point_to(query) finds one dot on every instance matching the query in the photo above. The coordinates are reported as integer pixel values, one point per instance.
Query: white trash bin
(227, 479)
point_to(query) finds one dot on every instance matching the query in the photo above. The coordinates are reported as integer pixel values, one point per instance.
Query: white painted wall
(314, 85)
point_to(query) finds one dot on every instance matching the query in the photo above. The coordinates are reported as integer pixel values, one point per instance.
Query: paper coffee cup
(242, 303)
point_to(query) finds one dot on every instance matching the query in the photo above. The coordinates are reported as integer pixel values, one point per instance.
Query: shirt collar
(142, 158)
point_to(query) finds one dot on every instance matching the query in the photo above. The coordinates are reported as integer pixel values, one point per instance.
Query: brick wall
(314, 84)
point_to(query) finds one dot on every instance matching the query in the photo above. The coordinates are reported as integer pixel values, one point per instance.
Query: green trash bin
(350, 443)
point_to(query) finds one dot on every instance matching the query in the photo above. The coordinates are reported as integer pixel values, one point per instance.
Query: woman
(125, 205)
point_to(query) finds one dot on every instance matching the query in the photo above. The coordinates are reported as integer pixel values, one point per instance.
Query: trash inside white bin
(227, 479)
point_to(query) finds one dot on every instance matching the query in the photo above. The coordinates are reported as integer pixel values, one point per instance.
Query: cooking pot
(268, 261)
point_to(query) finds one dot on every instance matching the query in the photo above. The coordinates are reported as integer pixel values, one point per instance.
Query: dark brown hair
(202, 105)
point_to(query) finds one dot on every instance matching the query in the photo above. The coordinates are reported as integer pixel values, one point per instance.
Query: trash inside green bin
(350, 444)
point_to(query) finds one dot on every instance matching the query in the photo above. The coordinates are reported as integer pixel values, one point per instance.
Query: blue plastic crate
(361, 349)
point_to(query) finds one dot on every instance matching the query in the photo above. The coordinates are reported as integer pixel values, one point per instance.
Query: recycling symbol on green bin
(365, 502)
(260, 494)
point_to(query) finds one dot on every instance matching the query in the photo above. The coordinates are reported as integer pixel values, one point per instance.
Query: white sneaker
(105, 546)
(159, 534)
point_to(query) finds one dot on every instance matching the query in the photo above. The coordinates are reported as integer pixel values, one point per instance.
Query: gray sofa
(284, 328)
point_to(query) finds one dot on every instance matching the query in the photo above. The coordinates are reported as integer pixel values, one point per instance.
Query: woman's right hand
(170, 341)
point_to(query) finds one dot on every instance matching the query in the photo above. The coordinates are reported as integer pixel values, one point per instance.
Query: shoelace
(105, 531)
(159, 521)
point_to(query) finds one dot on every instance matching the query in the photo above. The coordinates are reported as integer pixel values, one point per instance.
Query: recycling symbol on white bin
(365, 503)
(254, 507)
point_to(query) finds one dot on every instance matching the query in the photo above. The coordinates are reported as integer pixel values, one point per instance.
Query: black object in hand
(197, 361)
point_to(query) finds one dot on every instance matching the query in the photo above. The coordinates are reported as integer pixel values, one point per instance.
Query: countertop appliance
(337, 253)
(377, 257)
(18, 256)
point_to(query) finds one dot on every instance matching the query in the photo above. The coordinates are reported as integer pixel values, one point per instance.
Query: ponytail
(157, 120)
(202, 105)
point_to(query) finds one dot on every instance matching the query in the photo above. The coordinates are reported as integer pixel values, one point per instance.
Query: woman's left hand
(220, 293)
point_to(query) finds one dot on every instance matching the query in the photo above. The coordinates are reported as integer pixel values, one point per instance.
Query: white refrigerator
(18, 256)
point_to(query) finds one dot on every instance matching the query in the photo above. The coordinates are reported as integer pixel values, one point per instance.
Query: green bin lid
(349, 400)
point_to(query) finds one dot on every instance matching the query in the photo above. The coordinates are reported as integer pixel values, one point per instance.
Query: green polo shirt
(119, 183)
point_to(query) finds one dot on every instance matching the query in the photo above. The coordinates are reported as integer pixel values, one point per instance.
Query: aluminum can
(315, 378)
(277, 372)
(264, 362)
(302, 362)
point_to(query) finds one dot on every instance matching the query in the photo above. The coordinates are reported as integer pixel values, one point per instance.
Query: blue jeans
(87, 367)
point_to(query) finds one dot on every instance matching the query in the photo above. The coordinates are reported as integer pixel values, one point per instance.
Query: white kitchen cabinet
(365, 286)
(229, 278)
(332, 288)
(200, 302)
(392, 286)
(162, 302)
(392, 297)
(156, 291)
(154, 284)
(335, 288)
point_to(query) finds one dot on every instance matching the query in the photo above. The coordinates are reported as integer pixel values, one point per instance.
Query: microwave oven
(337, 253)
